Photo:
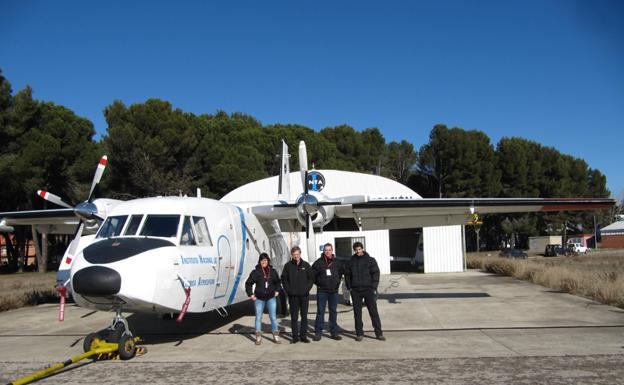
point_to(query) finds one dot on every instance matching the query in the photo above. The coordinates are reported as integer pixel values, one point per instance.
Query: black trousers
(299, 305)
(368, 295)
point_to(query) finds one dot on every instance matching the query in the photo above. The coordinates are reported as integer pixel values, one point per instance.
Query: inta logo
(316, 181)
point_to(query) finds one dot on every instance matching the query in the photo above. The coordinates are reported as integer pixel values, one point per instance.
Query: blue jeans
(331, 299)
(272, 305)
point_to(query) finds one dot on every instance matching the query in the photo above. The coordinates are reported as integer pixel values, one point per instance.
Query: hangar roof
(613, 228)
(336, 183)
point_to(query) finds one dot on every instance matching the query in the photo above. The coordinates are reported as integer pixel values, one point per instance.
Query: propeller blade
(311, 246)
(308, 225)
(74, 243)
(303, 162)
(305, 184)
(52, 198)
(99, 171)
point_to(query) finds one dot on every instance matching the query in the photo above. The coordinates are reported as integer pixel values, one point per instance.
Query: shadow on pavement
(392, 298)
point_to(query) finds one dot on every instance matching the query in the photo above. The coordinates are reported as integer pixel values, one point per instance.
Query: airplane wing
(397, 214)
(63, 220)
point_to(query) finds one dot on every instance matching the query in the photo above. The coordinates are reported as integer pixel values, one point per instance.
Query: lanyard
(327, 261)
(266, 274)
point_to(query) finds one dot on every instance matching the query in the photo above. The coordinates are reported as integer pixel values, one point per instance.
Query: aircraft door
(224, 265)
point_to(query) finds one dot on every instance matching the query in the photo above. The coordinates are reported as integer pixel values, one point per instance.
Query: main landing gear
(118, 333)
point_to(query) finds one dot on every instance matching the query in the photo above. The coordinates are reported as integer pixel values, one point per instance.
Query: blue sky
(549, 71)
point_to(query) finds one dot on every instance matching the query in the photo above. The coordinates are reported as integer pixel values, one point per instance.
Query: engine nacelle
(320, 215)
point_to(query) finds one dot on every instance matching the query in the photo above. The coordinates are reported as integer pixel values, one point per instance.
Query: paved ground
(443, 328)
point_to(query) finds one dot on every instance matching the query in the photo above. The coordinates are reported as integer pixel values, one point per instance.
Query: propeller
(85, 211)
(309, 206)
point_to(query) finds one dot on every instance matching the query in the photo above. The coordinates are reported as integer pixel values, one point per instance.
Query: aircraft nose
(96, 281)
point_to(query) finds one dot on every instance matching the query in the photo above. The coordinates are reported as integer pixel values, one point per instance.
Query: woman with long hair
(263, 287)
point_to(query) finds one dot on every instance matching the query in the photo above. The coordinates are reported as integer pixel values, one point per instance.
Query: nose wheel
(118, 333)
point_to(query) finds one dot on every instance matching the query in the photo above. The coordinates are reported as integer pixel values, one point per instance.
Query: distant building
(586, 240)
(613, 235)
(538, 244)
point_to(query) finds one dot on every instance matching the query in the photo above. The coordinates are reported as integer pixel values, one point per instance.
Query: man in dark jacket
(297, 280)
(362, 279)
(327, 274)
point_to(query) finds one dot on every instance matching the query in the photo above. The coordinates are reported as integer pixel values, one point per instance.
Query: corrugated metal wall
(376, 243)
(443, 248)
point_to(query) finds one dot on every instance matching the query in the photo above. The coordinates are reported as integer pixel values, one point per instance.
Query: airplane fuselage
(149, 250)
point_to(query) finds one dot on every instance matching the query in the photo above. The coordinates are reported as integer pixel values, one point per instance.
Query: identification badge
(266, 285)
(328, 272)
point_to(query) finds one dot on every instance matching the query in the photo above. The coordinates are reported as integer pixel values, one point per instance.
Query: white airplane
(190, 254)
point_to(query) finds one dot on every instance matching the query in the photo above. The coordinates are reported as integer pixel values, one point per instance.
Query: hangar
(613, 235)
(437, 249)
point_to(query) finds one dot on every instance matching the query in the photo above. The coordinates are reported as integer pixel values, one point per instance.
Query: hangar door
(344, 246)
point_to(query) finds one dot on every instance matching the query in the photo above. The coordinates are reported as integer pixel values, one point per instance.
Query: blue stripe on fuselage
(241, 262)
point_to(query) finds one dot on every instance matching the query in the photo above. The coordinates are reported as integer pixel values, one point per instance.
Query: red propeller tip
(103, 160)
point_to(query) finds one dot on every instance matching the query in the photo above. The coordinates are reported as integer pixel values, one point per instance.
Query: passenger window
(161, 226)
(187, 237)
(112, 226)
(201, 229)
(133, 226)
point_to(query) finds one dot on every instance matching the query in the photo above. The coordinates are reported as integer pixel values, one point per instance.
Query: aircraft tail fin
(283, 188)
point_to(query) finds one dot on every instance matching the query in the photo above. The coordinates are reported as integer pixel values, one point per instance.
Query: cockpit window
(161, 226)
(187, 238)
(112, 226)
(201, 229)
(133, 224)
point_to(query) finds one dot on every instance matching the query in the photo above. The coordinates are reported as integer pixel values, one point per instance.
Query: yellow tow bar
(99, 348)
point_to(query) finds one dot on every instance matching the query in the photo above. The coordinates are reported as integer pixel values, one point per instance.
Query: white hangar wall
(443, 249)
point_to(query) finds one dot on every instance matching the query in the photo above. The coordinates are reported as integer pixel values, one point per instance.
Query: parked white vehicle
(578, 248)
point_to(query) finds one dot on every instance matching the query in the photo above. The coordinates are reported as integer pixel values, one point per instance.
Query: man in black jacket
(362, 279)
(327, 274)
(297, 280)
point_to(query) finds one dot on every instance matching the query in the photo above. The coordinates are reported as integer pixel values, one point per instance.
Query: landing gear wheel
(89, 340)
(127, 347)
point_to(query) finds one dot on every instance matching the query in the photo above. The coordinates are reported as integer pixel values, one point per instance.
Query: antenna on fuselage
(199, 192)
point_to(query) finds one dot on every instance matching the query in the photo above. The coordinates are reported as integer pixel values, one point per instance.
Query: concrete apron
(469, 314)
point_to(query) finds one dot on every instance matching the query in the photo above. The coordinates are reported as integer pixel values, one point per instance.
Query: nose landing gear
(117, 333)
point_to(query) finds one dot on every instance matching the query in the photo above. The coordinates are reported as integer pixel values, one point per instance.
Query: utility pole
(595, 234)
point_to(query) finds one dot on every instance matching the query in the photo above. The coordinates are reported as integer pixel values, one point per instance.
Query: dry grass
(599, 276)
(26, 289)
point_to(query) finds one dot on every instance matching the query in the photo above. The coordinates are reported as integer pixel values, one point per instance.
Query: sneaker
(381, 337)
(359, 338)
(316, 338)
(336, 337)
(276, 338)
(305, 340)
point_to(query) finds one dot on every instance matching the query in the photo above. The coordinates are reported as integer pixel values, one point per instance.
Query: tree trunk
(43, 267)
(41, 249)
